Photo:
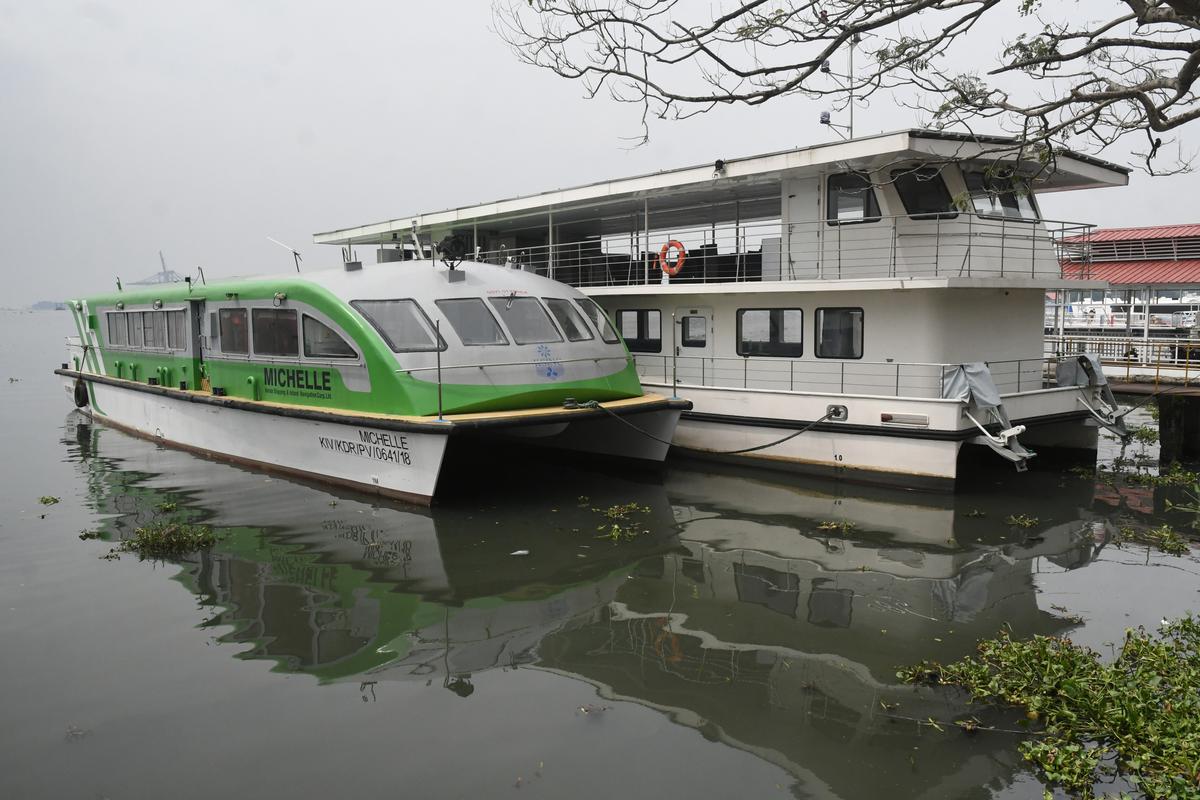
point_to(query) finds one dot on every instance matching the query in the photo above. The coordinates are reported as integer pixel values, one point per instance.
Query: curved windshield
(527, 321)
(401, 323)
(471, 320)
(599, 320)
(568, 319)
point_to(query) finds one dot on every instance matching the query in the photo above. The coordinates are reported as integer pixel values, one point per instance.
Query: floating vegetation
(1144, 435)
(86, 534)
(1137, 718)
(835, 525)
(1175, 475)
(167, 508)
(975, 513)
(620, 524)
(1190, 507)
(160, 539)
(48, 500)
(1020, 520)
(1163, 537)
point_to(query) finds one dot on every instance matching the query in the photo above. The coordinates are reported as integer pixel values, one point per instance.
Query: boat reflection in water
(768, 615)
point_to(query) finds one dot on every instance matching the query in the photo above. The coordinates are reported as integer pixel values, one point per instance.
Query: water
(331, 645)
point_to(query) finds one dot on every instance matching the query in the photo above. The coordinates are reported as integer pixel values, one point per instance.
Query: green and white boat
(366, 376)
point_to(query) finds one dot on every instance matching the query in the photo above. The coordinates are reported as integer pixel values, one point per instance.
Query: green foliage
(1174, 476)
(1191, 507)
(167, 508)
(1021, 520)
(162, 539)
(835, 525)
(619, 524)
(1138, 717)
(1163, 537)
(1145, 434)
(48, 500)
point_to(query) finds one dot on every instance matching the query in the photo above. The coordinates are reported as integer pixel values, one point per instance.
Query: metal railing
(1134, 357)
(874, 378)
(951, 244)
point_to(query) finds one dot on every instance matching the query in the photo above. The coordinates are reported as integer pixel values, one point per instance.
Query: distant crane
(164, 276)
(295, 253)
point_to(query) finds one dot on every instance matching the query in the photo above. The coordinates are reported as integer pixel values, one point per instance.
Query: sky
(200, 129)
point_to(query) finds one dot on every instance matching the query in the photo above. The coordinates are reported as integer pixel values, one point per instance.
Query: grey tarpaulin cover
(971, 382)
(1070, 371)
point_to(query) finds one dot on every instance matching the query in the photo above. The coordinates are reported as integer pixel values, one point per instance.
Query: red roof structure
(1135, 234)
(1136, 272)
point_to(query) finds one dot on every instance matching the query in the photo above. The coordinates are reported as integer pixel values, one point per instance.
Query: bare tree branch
(1063, 80)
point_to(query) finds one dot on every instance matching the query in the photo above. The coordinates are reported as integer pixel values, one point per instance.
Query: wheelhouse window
(234, 335)
(118, 329)
(177, 330)
(322, 341)
(924, 193)
(693, 331)
(401, 323)
(839, 332)
(275, 332)
(526, 319)
(641, 329)
(775, 332)
(1001, 196)
(472, 321)
(850, 199)
(154, 329)
(599, 319)
(568, 319)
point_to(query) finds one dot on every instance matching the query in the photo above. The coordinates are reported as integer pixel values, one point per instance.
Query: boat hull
(924, 456)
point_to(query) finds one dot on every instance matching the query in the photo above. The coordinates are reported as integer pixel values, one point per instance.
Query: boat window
(401, 323)
(135, 328)
(472, 321)
(568, 319)
(641, 329)
(694, 331)
(275, 332)
(599, 319)
(851, 199)
(154, 329)
(177, 330)
(924, 193)
(839, 332)
(118, 331)
(234, 338)
(1001, 196)
(526, 319)
(775, 332)
(322, 341)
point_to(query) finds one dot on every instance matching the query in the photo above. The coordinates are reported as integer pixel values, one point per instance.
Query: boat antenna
(200, 270)
(295, 253)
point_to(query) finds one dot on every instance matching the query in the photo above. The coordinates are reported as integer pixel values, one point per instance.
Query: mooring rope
(790, 436)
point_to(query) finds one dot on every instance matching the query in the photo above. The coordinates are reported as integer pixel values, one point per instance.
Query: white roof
(753, 181)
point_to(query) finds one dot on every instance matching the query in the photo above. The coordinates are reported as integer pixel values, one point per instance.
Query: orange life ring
(672, 268)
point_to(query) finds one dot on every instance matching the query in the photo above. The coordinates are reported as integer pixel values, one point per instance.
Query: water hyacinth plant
(1137, 718)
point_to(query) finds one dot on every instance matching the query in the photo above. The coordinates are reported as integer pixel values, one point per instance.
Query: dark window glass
(154, 329)
(234, 336)
(776, 332)
(275, 332)
(839, 333)
(923, 193)
(472, 321)
(135, 328)
(599, 319)
(527, 321)
(118, 332)
(401, 323)
(996, 196)
(568, 319)
(694, 331)
(177, 330)
(322, 341)
(851, 199)
(641, 329)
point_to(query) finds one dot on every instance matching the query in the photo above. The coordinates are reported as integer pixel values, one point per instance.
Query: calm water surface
(332, 645)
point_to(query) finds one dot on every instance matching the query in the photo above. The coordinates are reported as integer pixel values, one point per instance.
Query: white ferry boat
(365, 376)
(870, 308)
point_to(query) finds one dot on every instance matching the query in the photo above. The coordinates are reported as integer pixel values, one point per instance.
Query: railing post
(1003, 243)
(842, 380)
(1018, 376)
(970, 241)
(937, 245)
(791, 376)
(893, 268)
(674, 360)
(437, 327)
(745, 371)
(897, 379)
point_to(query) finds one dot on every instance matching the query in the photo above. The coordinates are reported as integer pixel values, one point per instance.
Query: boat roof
(753, 182)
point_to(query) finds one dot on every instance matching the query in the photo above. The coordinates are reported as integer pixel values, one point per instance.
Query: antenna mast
(295, 253)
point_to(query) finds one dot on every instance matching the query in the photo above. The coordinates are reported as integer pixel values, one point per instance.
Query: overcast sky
(202, 128)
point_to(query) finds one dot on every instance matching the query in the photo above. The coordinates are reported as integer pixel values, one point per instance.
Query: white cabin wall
(801, 245)
(988, 324)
